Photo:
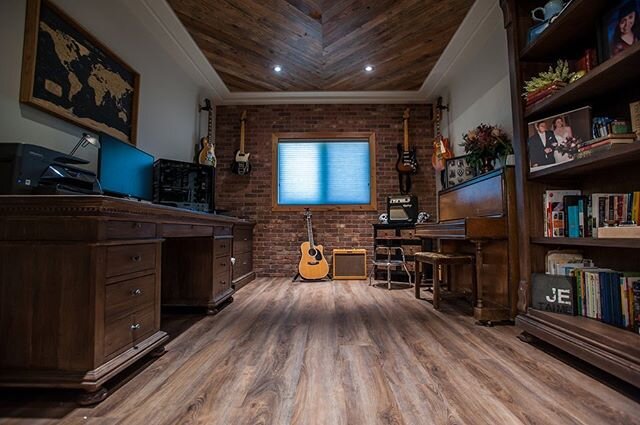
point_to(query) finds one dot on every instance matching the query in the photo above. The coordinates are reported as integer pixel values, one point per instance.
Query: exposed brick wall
(278, 235)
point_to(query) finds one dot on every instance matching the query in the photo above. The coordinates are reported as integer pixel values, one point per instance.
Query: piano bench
(445, 260)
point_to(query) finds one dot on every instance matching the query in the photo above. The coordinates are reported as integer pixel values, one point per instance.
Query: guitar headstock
(244, 116)
(406, 114)
(207, 105)
(307, 213)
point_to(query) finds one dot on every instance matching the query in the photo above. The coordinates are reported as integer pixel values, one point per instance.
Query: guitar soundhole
(312, 252)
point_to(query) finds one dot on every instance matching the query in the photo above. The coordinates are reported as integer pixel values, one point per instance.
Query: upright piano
(479, 217)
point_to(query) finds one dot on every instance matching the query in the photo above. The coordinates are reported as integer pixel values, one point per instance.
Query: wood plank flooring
(338, 353)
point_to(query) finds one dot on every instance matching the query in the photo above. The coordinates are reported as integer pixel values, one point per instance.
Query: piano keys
(479, 217)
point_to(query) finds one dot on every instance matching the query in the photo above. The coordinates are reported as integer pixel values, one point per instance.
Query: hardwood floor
(338, 353)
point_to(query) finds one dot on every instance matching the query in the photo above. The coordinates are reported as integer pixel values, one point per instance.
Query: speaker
(402, 209)
(349, 264)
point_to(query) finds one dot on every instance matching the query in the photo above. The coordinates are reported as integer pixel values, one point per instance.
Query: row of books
(570, 214)
(607, 295)
(603, 143)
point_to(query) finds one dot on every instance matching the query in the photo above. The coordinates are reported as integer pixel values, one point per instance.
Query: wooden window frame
(314, 136)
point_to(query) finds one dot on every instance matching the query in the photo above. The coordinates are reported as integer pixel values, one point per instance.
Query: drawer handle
(223, 282)
(245, 239)
(136, 258)
(244, 263)
(136, 292)
(138, 225)
(233, 261)
(135, 327)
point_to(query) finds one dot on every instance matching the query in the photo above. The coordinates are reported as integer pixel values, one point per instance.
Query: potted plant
(484, 144)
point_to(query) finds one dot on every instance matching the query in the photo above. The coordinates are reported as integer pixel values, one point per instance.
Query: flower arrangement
(484, 144)
(569, 147)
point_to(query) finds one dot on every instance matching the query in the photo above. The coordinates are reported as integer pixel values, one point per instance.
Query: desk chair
(388, 263)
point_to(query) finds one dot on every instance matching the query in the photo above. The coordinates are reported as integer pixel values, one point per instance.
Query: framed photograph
(458, 170)
(68, 73)
(620, 28)
(552, 140)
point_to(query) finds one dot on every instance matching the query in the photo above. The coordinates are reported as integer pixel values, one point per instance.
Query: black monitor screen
(124, 169)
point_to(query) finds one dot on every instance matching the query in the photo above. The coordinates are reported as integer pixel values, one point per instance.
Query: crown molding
(163, 23)
(475, 23)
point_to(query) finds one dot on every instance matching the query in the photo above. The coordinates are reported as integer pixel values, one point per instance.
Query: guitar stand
(329, 278)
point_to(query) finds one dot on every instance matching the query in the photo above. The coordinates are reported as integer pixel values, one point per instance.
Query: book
(554, 211)
(635, 291)
(619, 232)
(612, 139)
(635, 118)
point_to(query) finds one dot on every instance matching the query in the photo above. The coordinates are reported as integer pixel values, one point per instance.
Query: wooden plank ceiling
(322, 45)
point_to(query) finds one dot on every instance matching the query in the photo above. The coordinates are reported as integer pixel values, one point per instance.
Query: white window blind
(324, 172)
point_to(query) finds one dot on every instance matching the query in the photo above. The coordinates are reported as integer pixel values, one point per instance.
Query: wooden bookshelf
(608, 88)
(618, 154)
(596, 83)
(567, 30)
(595, 242)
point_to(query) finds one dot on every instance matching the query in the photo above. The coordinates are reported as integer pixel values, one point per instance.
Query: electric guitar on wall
(313, 264)
(241, 165)
(407, 163)
(441, 149)
(207, 155)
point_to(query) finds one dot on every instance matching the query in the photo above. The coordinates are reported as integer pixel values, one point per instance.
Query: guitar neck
(406, 130)
(310, 232)
(210, 127)
(242, 121)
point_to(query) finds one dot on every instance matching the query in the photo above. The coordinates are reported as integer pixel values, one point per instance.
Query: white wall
(168, 109)
(476, 84)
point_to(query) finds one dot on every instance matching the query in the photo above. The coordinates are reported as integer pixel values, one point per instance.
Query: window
(324, 170)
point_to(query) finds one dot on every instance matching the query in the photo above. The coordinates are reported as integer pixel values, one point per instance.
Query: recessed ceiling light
(277, 68)
(368, 68)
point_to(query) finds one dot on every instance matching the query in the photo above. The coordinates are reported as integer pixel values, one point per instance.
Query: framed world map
(70, 74)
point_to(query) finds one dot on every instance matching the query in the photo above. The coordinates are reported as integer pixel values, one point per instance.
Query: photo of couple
(550, 138)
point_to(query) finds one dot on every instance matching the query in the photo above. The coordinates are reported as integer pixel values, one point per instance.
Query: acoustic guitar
(407, 163)
(441, 148)
(207, 155)
(313, 264)
(241, 165)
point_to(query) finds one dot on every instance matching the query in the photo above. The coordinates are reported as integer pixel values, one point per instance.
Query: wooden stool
(442, 259)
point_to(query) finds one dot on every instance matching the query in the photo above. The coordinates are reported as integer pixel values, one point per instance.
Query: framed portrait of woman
(620, 28)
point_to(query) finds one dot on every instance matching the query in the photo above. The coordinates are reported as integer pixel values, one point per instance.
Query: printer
(33, 169)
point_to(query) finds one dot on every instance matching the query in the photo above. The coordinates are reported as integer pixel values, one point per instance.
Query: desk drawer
(242, 247)
(221, 265)
(243, 233)
(130, 295)
(122, 333)
(186, 230)
(386, 233)
(408, 233)
(221, 283)
(130, 230)
(244, 264)
(123, 259)
(222, 247)
(222, 231)
(411, 249)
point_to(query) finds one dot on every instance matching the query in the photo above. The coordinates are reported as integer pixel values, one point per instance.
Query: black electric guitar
(407, 163)
(313, 264)
(241, 165)
(207, 155)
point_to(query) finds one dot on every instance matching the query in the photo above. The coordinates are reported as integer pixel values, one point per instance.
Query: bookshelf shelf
(602, 243)
(607, 347)
(575, 21)
(612, 74)
(617, 155)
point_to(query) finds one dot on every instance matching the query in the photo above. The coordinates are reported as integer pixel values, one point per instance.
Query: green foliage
(559, 73)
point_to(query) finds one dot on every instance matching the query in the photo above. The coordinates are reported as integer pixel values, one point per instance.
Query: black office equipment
(125, 170)
(184, 185)
(29, 169)
(402, 209)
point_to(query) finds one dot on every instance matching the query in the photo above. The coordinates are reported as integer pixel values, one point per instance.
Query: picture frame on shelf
(458, 170)
(551, 140)
(619, 28)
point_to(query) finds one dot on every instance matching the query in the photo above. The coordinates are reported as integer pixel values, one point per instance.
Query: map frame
(28, 74)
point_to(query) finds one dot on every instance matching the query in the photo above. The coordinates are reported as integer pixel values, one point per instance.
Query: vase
(487, 164)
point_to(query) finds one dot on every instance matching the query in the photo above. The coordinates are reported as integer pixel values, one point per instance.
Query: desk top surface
(98, 206)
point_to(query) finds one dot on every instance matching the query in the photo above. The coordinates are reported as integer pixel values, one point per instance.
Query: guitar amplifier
(402, 209)
(349, 264)
(184, 185)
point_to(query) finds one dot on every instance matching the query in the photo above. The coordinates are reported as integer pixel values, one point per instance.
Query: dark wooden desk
(478, 217)
(82, 279)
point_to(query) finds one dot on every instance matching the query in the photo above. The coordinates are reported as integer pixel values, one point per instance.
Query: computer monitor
(124, 170)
